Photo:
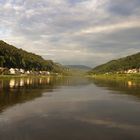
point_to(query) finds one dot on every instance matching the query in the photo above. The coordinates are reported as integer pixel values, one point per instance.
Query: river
(70, 108)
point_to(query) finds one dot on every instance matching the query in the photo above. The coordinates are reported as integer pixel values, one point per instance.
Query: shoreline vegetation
(121, 77)
(15, 61)
(122, 69)
(118, 77)
(30, 76)
(126, 65)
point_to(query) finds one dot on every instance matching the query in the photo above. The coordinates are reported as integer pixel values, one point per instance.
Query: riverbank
(125, 77)
(26, 76)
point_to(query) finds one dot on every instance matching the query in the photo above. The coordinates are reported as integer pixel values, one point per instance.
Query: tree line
(122, 64)
(11, 57)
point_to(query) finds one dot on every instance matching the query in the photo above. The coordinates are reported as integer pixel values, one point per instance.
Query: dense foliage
(11, 57)
(122, 64)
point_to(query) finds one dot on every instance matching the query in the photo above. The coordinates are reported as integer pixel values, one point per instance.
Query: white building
(28, 72)
(22, 71)
(12, 71)
(48, 73)
(132, 71)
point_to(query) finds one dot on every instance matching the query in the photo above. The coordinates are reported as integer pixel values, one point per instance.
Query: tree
(1, 61)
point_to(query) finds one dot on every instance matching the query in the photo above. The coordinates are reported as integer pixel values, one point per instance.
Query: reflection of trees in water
(40, 82)
(125, 87)
(19, 90)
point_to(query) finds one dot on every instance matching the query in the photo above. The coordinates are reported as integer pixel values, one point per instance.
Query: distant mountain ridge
(79, 67)
(122, 64)
(12, 57)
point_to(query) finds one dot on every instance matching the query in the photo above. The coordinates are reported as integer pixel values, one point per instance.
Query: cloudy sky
(88, 32)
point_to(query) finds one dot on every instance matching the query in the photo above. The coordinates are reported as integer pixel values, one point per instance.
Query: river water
(69, 109)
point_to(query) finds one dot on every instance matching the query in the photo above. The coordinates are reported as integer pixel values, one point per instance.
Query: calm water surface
(69, 109)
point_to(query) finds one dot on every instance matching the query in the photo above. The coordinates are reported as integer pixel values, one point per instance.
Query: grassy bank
(22, 76)
(12, 76)
(135, 77)
(32, 76)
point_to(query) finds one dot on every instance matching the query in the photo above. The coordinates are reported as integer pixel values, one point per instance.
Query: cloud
(112, 27)
(72, 31)
(109, 123)
(124, 8)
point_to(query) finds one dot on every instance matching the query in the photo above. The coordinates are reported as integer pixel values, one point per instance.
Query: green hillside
(129, 62)
(11, 57)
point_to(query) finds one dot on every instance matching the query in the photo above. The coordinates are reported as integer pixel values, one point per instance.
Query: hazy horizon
(72, 32)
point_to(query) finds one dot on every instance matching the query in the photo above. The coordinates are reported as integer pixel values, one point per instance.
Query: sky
(85, 32)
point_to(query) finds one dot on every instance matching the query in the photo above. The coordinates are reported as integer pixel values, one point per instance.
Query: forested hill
(125, 63)
(11, 57)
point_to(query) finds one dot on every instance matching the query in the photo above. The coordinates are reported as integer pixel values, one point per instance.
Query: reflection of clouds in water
(3, 120)
(109, 123)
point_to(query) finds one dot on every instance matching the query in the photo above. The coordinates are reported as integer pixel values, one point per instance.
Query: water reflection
(19, 90)
(12, 83)
(68, 108)
(131, 88)
(21, 82)
(132, 84)
(35, 82)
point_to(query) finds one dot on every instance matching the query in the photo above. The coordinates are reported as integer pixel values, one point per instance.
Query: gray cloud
(72, 31)
(125, 7)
